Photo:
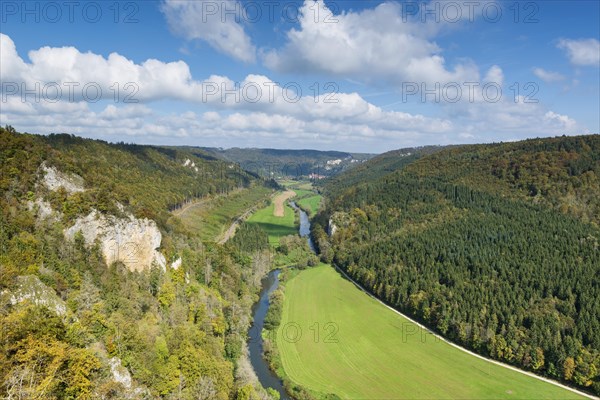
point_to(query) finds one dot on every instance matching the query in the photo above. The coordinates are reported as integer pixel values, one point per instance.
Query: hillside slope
(377, 167)
(288, 163)
(494, 246)
(103, 292)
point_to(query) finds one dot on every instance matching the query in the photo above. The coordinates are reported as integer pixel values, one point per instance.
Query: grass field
(304, 185)
(294, 184)
(311, 203)
(306, 198)
(276, 227)
(369, 352)
(211, 217)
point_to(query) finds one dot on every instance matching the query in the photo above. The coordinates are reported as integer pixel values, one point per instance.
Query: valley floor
(334, 338)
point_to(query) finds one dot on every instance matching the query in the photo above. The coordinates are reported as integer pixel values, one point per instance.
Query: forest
(494, 246)
(97, 331)
(287, 163)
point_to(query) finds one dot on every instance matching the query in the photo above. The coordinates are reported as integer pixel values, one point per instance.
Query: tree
(568, 368)
(204, 389)
(538, 359)
(166, 294)
(89, 294)
(81, 365)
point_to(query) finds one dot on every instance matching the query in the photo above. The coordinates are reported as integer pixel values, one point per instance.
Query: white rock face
(176, 264)
(331, 228)
(191, 164)
(54, 179)
(29, 287)
(119, 372)
(43, 209)
(132, 241)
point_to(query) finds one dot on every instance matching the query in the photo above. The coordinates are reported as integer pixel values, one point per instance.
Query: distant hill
(275, 163)
(495, 246)
(377, 167)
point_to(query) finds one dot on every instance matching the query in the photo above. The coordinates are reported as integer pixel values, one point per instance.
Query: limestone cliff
(30, 288)
(43, 210)
(331, 228)
(132, 241)
(54, 179)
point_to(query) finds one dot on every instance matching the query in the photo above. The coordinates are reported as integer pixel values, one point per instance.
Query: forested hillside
(494, 246)
(147, 178)
(73, 326)
(376, 167)
(288, 163)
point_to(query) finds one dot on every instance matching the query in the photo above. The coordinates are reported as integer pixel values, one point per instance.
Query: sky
(359, 76)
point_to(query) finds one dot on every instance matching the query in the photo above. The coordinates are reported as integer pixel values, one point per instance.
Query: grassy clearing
(296, 185)
(302, 193)
(304, 186)
(276, 227)
(311, 203)
(211, 217)
(306, 197)
(368, 351)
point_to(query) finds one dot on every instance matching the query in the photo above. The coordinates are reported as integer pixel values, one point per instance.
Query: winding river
(266, 377)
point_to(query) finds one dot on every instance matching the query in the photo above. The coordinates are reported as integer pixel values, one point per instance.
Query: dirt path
(280, 200)
(278, 211)
(193, 204)
(233, 227)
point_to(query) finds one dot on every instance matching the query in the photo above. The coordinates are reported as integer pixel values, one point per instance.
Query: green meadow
(310, 203)
(211, 217)
(334, 338)
(276, 227)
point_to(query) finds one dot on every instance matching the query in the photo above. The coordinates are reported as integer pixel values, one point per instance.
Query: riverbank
(286, 249)
(266, 377)
(273, 319)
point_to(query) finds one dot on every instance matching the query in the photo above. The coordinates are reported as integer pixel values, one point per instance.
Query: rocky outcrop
(43, 210)
(338, 220)
(54, 180)
(191, 164)
(331, 227)
(176, 264)
(119, 372)
(129, 388)
(30, 288)
(132, 241)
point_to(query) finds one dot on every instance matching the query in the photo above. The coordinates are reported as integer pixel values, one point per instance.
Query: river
(304, 226)
(255, 344)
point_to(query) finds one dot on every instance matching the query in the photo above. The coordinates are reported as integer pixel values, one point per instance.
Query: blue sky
(344, 75)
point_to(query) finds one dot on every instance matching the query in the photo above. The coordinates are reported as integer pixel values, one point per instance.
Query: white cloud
(378, 44)
(111, 112)
(375, 130)
(494, 75)
(567, 123)
(510, 119)
(582, 52)
(12, 65)
(548, 76)
(217, 112)
(213, 22)
(67, 73)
